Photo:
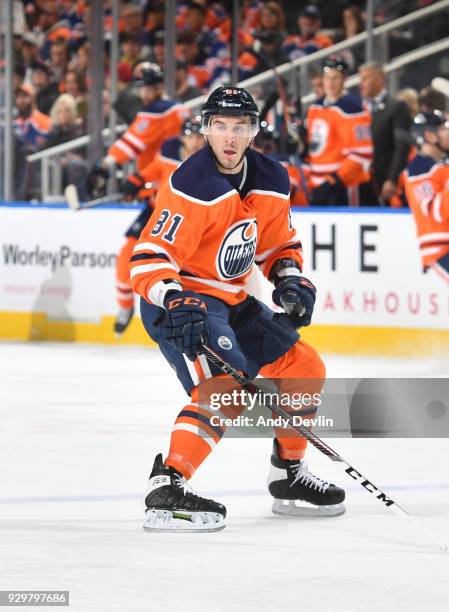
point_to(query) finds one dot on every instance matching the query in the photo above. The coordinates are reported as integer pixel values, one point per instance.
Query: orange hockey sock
(193, 437)
(301, 371)
(125, 297)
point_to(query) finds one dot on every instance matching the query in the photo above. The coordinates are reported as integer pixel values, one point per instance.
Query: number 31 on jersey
(162, 223)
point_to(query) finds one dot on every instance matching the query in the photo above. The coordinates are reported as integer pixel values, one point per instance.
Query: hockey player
(338, 140)
(298, 172)
(426, 190)
(145, 185)
(223, 209)
(159, 119)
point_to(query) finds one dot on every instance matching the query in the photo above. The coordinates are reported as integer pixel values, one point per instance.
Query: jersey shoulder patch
(266, 174)
(171, 148)
(197, 178)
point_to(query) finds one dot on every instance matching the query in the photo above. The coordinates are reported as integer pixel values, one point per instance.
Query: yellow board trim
(36, 326)
(339, 339)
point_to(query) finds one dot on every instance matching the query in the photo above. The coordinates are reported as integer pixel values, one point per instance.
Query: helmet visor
(237, 127)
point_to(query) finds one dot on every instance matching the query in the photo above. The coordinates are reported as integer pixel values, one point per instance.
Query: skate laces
(302, 474)
(182, 483)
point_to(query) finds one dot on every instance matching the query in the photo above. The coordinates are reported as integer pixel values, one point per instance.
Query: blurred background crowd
(52, 62)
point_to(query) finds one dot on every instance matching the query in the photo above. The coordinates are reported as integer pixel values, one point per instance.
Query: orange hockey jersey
(154, 124)
(339, 140)
(166, 161)
(300, 186)
(205, 235)
(426, 186)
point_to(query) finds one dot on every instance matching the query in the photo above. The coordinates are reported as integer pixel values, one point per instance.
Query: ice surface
(80, 427)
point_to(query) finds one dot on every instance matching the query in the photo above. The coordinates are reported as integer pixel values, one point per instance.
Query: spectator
(308, 40)
(353, 24)
(188, 51)
(59, 59)
(49, 28)
(80, 63)
(250, 14)
(271, 19)
(390, 130)
(131, 21)
(65, 124)
(154, 14)
(410, 97)
(31, 128)
(184, 90)
(267, 51)
(32, 125)
(209, 45)
(159, 49)
(430, 99)
(75, 84)
(30, 54)
(66, 127)
(46, 92)
(131, 46)
(18, 77)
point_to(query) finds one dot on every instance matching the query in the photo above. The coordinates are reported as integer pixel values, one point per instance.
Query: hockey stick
(324, 448)
(73, 201)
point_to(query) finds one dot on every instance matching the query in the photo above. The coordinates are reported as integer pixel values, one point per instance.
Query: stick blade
(72, 198)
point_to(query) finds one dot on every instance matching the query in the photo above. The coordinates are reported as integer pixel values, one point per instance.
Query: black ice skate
(291, 481)
(172, 505)
(122, 321)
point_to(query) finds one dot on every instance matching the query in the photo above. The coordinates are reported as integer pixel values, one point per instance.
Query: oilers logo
(319, 134)
(238, 249)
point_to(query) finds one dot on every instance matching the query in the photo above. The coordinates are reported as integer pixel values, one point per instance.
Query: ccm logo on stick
(369, 486)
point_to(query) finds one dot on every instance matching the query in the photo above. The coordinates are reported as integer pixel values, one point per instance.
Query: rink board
(57, 279)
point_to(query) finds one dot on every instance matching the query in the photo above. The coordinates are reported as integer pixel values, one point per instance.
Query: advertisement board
(57, 274)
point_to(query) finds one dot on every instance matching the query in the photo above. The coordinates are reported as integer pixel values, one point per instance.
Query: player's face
(149, 93)
(229, 138)
(443, 137)
(24, 103)
(192, 143)
(333, 82)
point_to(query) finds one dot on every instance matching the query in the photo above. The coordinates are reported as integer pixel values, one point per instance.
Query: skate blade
(196, 522)
(284, 507)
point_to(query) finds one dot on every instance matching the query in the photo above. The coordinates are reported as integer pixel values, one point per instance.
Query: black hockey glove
(131, 187)
(185, 323)
(296, 295)
(322, 193)
(97, 181)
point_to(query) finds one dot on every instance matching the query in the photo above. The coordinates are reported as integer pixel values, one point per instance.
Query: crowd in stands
(52, 53)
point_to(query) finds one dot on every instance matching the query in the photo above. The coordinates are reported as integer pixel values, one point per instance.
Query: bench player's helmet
(152, 74)
(230, 102)
(427, 122)
(335, 62)
(192, 125)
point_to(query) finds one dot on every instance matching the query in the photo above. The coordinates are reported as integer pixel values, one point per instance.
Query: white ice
(80, 427)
